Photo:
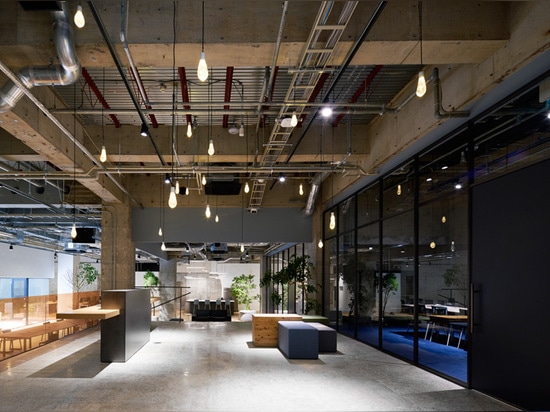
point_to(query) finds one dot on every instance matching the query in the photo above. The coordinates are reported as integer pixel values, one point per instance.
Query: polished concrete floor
(213, 366)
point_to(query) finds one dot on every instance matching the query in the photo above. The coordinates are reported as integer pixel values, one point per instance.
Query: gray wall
(271, 225)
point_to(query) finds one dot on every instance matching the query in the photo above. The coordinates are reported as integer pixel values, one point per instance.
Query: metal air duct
(56, 75)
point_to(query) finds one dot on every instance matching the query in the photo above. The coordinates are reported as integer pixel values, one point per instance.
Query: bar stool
(218, 304)
(207, 304)
(195, 306)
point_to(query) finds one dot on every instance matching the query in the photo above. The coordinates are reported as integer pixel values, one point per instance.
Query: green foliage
(85, 275)
(298, 271)
(150, 279)
(389, 285)
(241, 290)
(88, 272)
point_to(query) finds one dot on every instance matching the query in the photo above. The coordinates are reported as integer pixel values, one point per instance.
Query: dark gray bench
(298, 340)
(327, 337)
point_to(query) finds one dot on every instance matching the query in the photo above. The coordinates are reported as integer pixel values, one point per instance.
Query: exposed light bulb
(320, 244)
(189, 130)
(421, 85)
(79, 19)
(246, 188)
(294, 120)
(203, 180)
(332, 222)
(452, 245)
(282, 178)
(432, 244)
(443, 219)
(163, 246)
(202, 70)
(73, 231)
(103, 155)
(177, 187)
(326, 111)
(398, 190)
(301, 191)
(207, 211)
(160, 231)
(217, 219)
(211, 150)
(186, 191)
(241, 130)
(242, 247)
(172, 201)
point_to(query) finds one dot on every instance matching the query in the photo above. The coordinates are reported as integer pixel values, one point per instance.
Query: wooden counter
(265, 332)
(90, 312)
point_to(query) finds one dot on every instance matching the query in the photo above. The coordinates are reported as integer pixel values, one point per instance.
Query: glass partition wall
(397, 264)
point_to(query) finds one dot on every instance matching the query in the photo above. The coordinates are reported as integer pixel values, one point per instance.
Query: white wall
(25, 262)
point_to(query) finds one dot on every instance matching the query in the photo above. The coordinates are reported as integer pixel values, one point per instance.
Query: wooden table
(25, 335)
(265, 332)
(90, 312)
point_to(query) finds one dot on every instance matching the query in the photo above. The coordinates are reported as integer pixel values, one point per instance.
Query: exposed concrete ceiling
(268, 59)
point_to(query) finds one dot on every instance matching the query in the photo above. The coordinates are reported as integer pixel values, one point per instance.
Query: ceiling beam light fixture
(144, 130)
(103, 154)
(421, 85)
(189, 130)
(172, 200)
(79, 19)
(202, 69)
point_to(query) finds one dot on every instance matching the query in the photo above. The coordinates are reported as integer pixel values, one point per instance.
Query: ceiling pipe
(118, 65)
(439, 111)
(66, 73)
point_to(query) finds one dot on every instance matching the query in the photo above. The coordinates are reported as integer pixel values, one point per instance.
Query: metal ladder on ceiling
(312, 63)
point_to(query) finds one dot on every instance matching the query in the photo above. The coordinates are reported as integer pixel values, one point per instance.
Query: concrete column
(117, 249)
(167, 277)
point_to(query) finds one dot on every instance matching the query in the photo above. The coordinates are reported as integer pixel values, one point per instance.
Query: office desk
(461, 326)
(445, 322)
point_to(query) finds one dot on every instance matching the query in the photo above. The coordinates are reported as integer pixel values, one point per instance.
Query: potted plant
(241, 289)
(150, 280)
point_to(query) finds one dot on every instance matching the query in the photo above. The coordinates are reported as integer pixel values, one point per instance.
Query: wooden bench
(265, 328)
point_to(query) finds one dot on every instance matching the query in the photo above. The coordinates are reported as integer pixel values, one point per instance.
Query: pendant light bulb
(241, 130)
(177, 187)
(79, 19)
(246, 188)
(160, 231)
(186, 191)
(172, 201)
(432, 245)
(301, 191)
(332, 223)
(103, 155)
(73, 231)
(421, 86)
(242, 247)
(211, 150)
(320, 244)
(294, 120)
(189, 130)
(217, 219)
(163, 246)
(398, 190)
(207, 211)
(202, 70)
(203, 180)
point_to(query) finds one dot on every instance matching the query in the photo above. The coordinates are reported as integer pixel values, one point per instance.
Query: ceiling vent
(223, 188)
(218, 248)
